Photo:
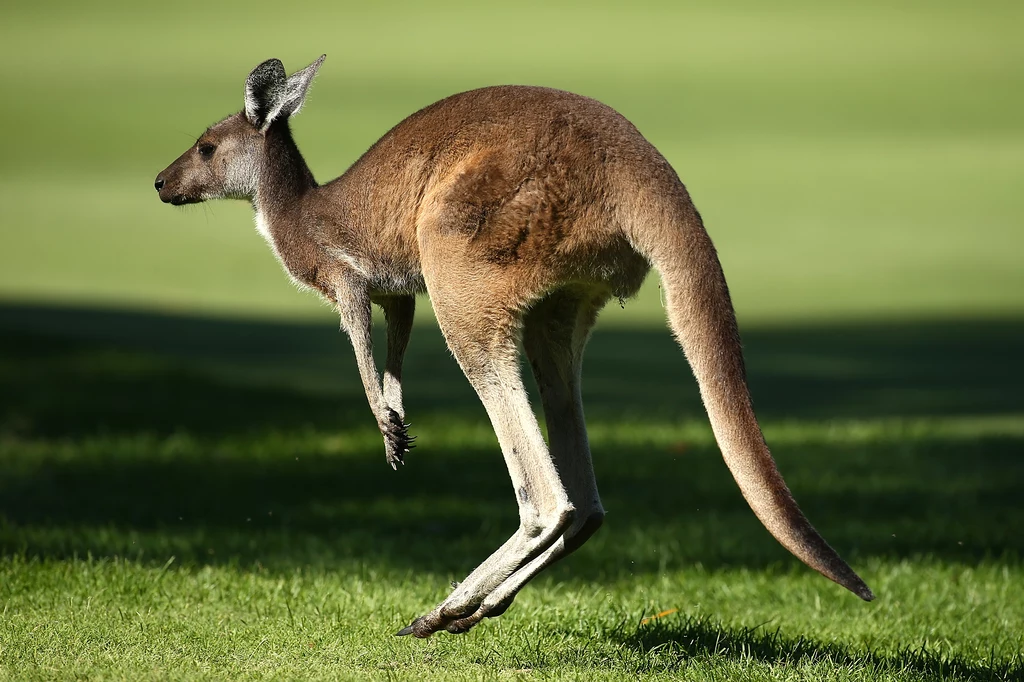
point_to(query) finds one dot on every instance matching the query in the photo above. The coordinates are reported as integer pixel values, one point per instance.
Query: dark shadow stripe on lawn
(199, 438)
(72, 370)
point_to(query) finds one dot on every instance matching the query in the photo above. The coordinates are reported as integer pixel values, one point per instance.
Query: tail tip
(862, 590)
(853, 583)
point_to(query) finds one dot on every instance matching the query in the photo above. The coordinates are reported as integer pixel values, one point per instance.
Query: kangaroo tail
(701, 315)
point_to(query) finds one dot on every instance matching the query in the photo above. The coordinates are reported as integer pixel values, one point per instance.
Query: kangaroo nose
(159, 184)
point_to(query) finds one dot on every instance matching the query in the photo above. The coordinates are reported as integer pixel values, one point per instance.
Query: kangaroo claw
(397, 440)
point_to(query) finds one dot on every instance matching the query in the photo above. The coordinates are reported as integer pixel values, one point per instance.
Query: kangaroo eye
(206, 150)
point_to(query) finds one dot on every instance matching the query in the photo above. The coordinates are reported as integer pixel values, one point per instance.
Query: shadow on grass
(126, 433)
(690, 639)
(125, 371)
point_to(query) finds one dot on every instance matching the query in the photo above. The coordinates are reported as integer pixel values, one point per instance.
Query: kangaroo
(520, 211)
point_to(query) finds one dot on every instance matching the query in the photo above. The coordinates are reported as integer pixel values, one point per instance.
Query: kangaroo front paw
(397, 440)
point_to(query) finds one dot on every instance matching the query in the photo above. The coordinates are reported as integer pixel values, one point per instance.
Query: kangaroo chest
(297, 258)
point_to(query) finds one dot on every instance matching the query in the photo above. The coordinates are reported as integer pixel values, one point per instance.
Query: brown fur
(521, 211)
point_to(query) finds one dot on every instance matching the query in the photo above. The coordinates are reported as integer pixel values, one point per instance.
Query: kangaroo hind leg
(558, 502)
(478, 306)
(554, 337)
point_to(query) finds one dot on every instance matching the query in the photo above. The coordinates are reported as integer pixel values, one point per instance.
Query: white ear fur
(298, 85)
(269, 95)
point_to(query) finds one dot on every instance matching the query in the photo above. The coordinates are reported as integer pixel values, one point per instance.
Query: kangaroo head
(226, 160)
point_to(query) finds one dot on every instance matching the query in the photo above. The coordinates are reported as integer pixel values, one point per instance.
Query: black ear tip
(270, 67)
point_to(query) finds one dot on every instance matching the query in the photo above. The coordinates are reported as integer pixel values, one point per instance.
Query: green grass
(191, 485)
(197, 497)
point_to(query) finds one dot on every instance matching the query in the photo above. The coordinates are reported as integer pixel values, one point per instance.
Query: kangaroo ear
(265, 90)
(297, 87)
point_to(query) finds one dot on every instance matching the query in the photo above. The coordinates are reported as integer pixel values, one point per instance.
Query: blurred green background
(191, 484)
(850, 159)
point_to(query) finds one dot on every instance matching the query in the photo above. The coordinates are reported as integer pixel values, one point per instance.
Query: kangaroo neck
(283, 178)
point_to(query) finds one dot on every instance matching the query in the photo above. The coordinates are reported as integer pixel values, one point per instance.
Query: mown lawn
(188, 496)
(191, 485)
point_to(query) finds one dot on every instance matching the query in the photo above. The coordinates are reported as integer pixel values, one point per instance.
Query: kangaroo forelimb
(398, 314)
(385, 401)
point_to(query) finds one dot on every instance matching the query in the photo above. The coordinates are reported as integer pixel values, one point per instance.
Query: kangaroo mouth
(181, 200)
